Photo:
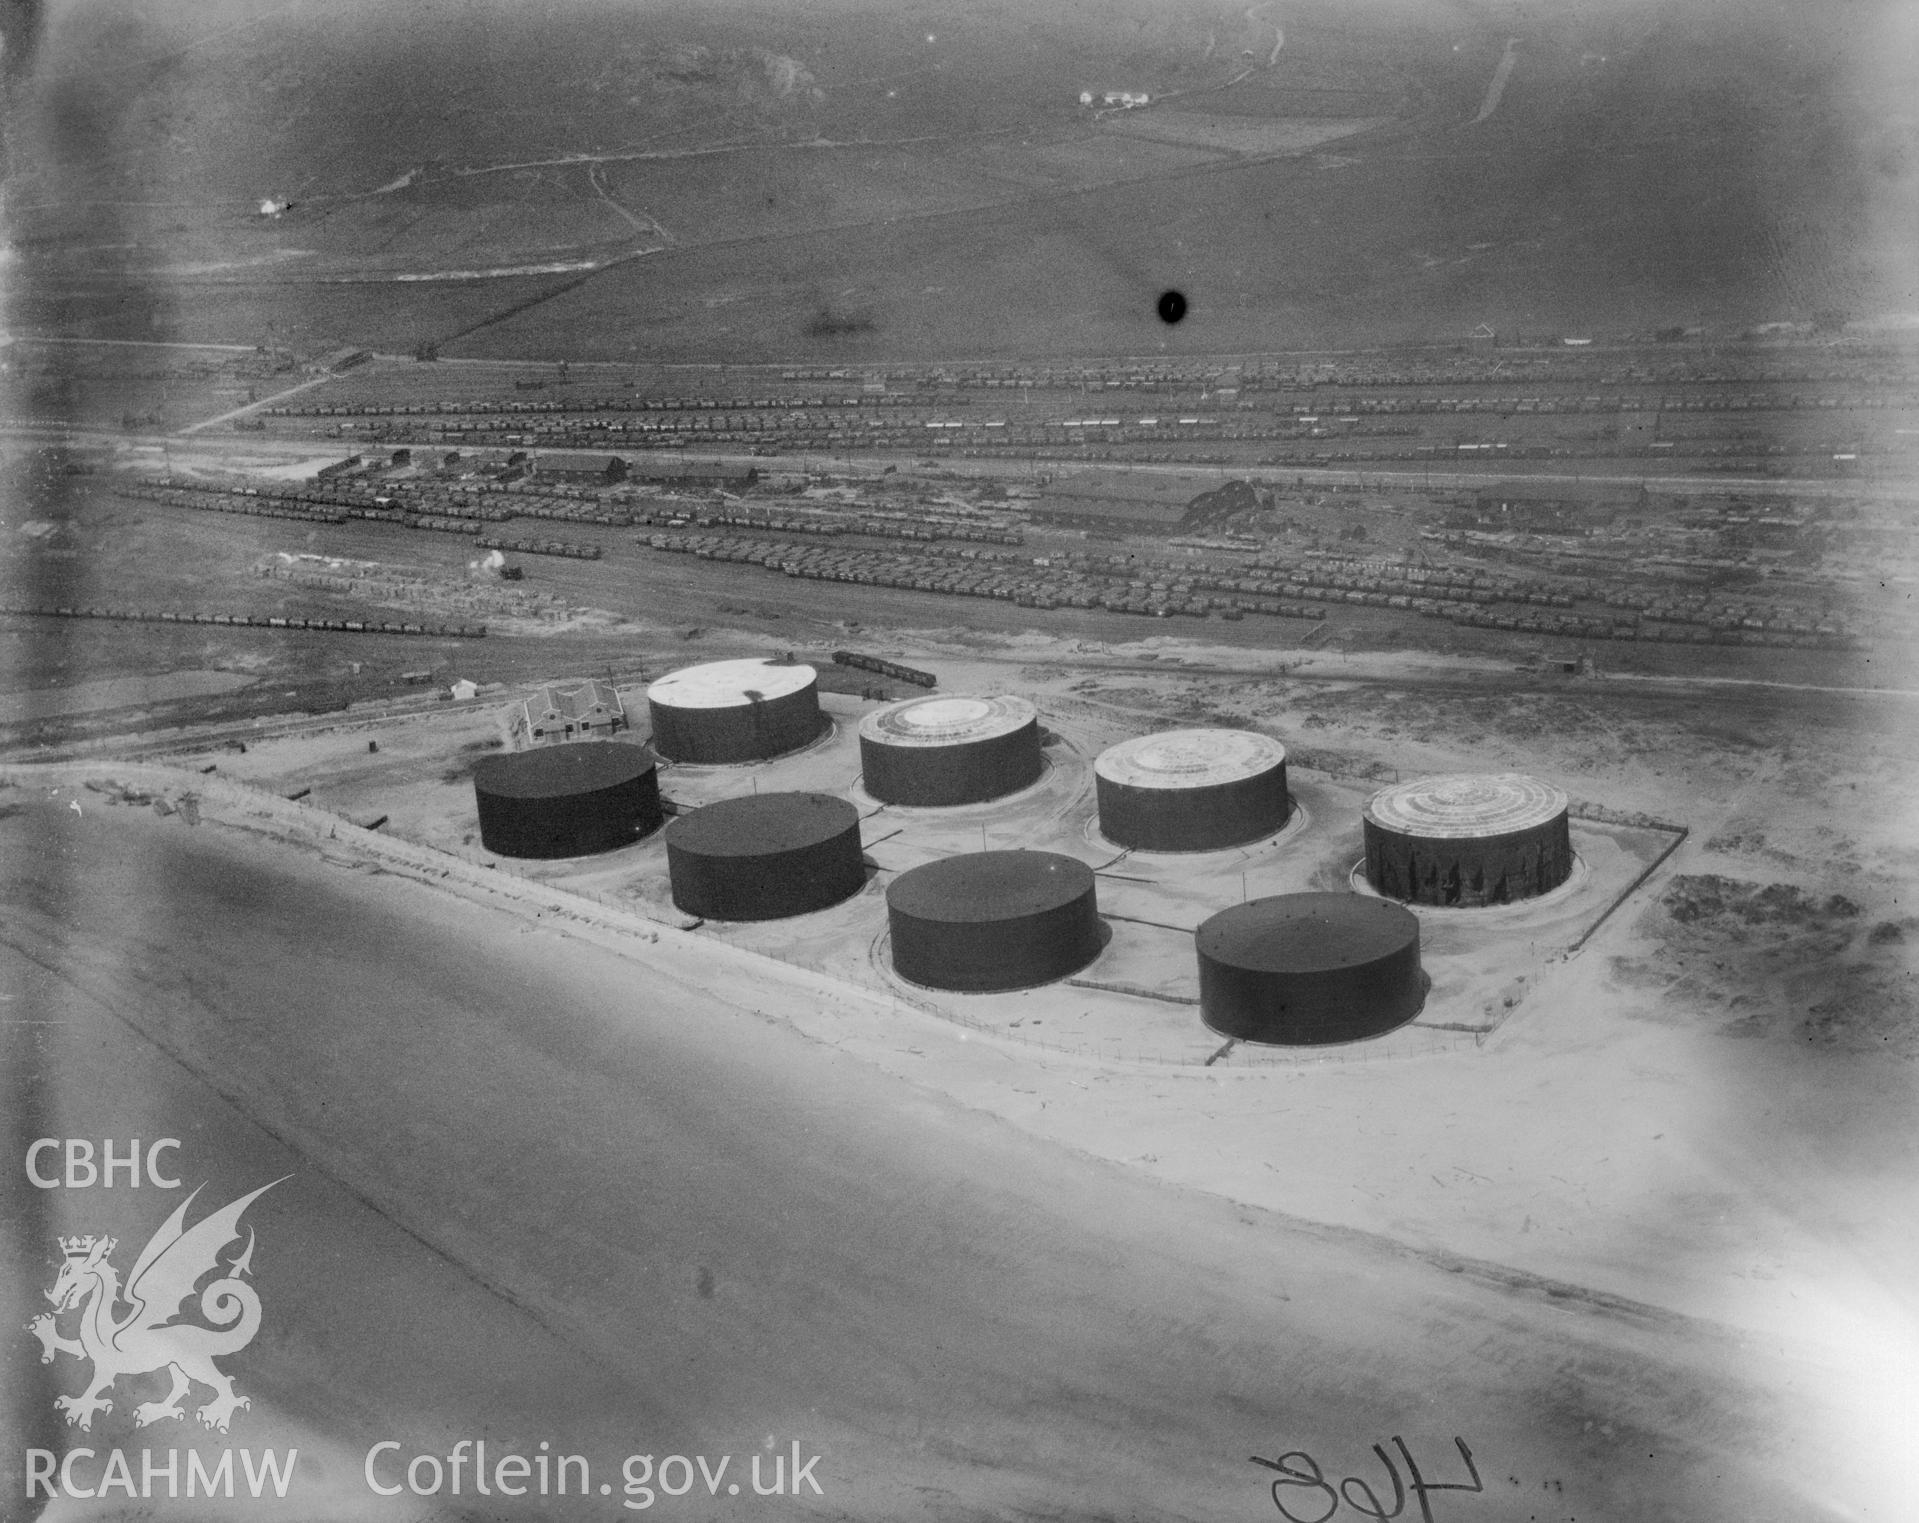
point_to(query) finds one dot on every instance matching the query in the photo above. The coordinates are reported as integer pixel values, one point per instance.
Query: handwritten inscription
(1304, 1495)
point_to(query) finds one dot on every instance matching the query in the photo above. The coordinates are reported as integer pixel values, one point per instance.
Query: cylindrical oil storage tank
(567, 800)
(990, 920)
(938, 751)
(1303, 970)
(734, 711)
(1468, 839)
(765, 856)
(1191, 790)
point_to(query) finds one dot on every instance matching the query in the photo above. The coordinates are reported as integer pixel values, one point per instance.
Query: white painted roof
(729, 684)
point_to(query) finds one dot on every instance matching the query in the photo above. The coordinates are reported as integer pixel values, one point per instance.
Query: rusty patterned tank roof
(1464, 806)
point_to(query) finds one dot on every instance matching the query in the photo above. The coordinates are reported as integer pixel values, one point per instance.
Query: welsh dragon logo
(147, 1337)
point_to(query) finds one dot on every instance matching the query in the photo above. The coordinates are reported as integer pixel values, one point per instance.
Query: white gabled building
(585, 710)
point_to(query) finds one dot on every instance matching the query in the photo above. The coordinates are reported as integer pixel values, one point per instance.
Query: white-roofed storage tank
(943, 750)
(1191, 790)
(735, 711)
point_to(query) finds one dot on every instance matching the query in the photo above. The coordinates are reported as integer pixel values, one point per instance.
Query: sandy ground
(115, 693)
(1714, 1092)
(1636, 1109)
(635, 1203)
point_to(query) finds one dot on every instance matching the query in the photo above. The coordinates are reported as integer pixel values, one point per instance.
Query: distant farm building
(563, 711)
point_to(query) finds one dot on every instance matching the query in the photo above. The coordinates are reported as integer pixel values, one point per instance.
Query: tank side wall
(1316, 1008)
(977, 956)
(770, 887)
(931, 777)
(570, 825)
(739, 732)
(1521, 864)
(1193, 819)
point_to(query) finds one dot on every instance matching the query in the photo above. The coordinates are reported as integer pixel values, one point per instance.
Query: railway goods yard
(1157, 760)
(1216, 675)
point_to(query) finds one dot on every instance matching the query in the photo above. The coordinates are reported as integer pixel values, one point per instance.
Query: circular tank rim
(572, 768)
(987, 887)
(1176, 760)
(968, 720)
(725, 684)
(761, 825)
(1469, 806)
(1241, 936)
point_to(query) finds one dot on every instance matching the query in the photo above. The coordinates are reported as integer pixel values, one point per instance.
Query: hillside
(906, 181)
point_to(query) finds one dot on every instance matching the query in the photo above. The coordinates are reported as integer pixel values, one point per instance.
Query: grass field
(941, 183)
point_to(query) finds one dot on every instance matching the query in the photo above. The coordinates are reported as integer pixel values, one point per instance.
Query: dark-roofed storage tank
(933, 752)
(567, 800)
(1303, 970)
(1191, 790)
(765, 856)
(1468, 839)
(992, 920)
(734, 711)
